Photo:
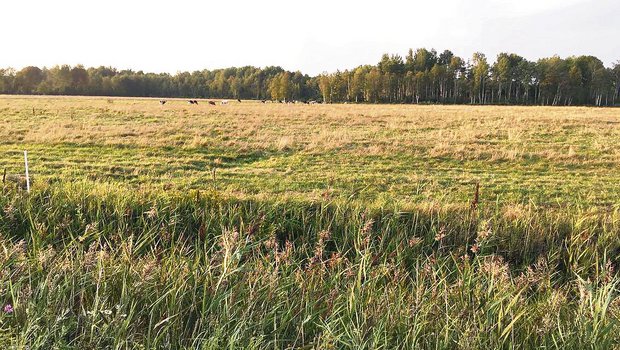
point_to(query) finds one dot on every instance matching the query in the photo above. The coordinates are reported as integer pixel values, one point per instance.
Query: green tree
(373, 85)
(424, 60)
(616, 75)
(480, 72)
(358, 82)
(553, 80)
(79, 79)
(7, 77)
(457, 72)
(325, 87)
(28, 79)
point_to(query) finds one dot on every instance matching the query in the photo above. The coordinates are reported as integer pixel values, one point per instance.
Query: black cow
(212, 103)
(162, 102)
(238, 100)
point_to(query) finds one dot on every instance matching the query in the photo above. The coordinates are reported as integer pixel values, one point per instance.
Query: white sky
(311, 36)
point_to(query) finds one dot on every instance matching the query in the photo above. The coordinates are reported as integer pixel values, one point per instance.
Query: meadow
(253, 225)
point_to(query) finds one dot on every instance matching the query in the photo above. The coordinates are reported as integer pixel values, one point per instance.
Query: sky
(311, 36)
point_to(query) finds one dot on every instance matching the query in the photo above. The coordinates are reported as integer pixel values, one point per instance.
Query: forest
(422, 76)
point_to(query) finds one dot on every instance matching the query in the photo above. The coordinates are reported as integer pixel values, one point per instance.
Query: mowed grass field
(377, 153)
(281, 226)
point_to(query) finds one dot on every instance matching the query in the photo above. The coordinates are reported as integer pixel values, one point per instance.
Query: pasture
(252, 225)
(376, 153)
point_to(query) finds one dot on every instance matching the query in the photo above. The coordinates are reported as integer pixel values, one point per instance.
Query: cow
(162, 102)
(263, 101)
(211, 103)
(239, 100)
(224, 102)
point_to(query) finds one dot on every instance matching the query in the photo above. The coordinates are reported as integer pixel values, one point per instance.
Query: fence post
(27, 175)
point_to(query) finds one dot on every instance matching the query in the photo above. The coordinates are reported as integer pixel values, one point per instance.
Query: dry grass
(470, 132)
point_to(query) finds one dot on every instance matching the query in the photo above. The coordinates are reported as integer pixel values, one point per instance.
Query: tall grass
(88, 266)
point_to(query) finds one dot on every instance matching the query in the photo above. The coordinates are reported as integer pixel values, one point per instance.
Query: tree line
(422, 76)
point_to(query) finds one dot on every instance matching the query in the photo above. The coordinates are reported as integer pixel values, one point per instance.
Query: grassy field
(255, 225)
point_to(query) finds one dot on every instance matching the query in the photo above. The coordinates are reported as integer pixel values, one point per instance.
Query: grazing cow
(191, 102)
(263, 101)
(211, 103)
(162, 102)
(238, 100)
(224, 102)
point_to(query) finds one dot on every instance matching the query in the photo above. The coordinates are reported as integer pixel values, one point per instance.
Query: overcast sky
(311, 36)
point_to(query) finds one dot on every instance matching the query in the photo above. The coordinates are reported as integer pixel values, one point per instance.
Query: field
(255, 225)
